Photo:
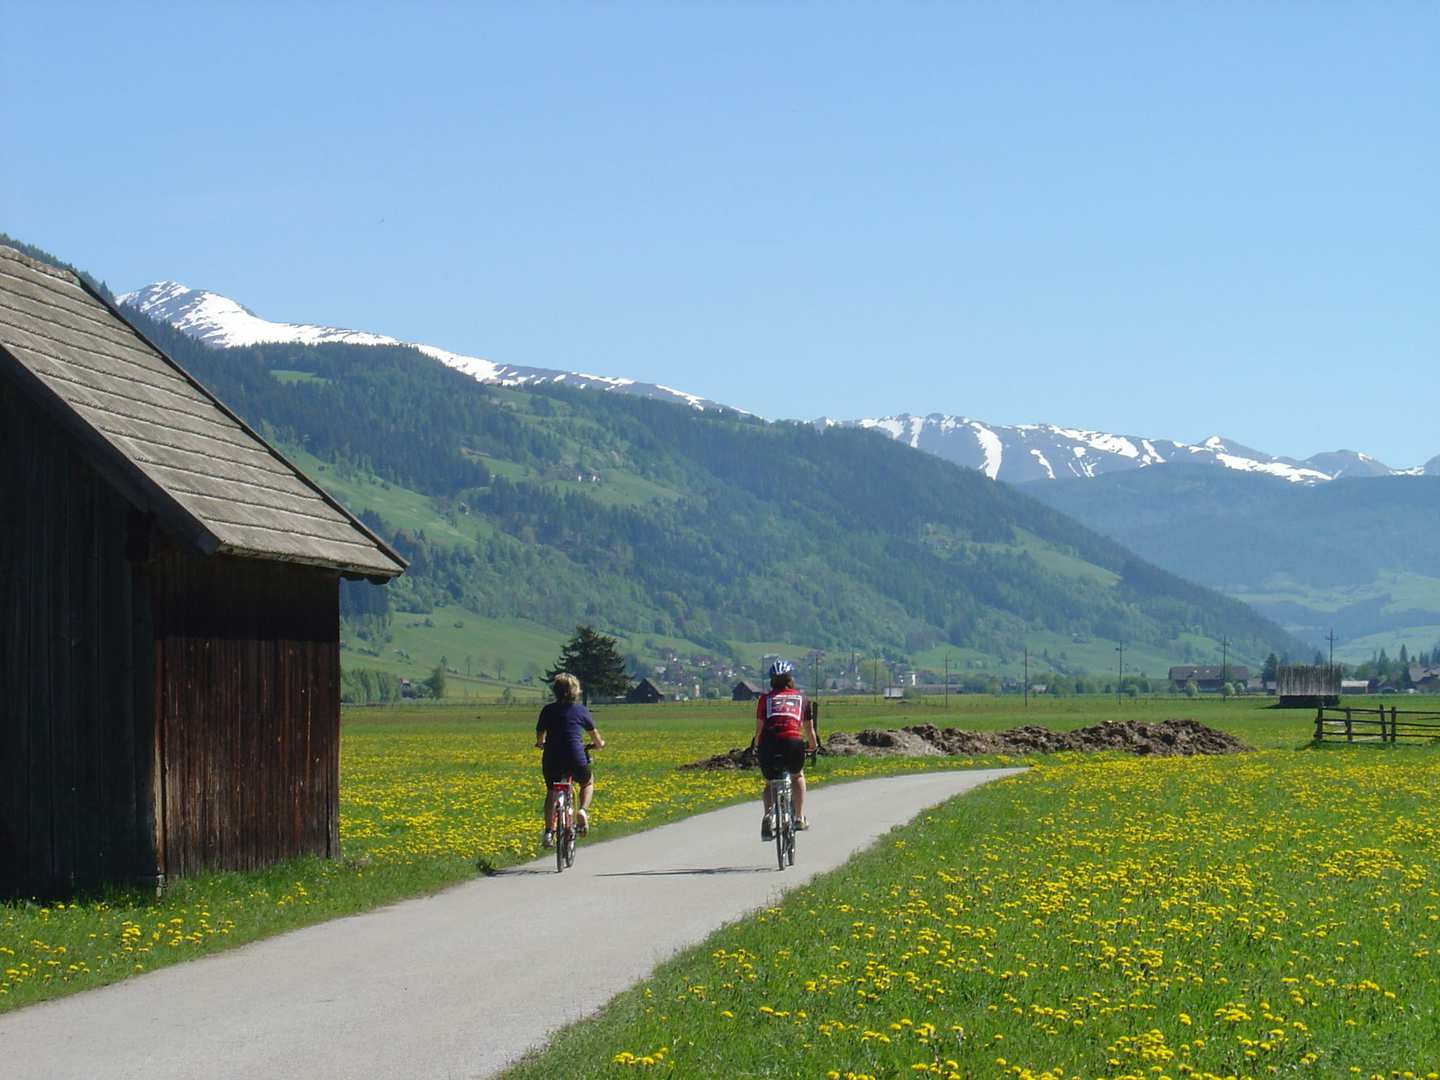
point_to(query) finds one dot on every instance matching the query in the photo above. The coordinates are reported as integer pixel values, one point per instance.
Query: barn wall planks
(164, 712)
(74, 801)
(248, 715)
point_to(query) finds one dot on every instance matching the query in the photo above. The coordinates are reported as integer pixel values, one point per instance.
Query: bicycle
(565, 831)
(564, 791)
(783, 812)
(812, 714)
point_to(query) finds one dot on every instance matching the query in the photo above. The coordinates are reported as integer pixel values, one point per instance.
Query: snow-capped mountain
(221, 322)
(1017, 454)
(1026, 452)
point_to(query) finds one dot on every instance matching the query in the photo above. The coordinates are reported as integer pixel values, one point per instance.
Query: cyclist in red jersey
(782, 734)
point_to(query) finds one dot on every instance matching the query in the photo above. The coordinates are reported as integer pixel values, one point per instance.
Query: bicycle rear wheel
(782, 823)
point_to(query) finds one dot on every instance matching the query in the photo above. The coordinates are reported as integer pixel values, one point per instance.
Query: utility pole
(1121, 650)
(875, 679)
(1027, 676)
(947, 682)
(1224, 659)
(1330, 637)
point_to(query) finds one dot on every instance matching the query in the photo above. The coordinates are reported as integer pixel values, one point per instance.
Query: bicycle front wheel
(562, 829)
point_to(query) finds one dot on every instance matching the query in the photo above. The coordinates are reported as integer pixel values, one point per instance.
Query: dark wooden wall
(76, 715)
(247, 683)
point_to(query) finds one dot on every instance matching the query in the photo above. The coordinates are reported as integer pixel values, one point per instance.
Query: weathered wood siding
(247, 684)
(75, 670)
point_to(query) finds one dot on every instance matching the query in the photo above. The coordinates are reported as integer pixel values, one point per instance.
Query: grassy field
(1250, 916)
(1266, 914)
(428, 795)
(1095, 917)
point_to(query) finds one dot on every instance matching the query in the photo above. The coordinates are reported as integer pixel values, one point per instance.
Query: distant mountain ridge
(1356, 556)
(220, 322)
(1022, 453)
(1018, 453)
(644, 515)
(551, 506)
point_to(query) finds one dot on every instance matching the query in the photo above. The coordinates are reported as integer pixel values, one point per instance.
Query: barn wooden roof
(173, 448)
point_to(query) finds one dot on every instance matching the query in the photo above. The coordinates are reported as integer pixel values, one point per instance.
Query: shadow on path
(696, 870)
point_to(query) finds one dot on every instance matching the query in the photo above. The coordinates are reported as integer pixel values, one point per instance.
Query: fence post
(1393, 710)
(1349, 729)
(1320, 723)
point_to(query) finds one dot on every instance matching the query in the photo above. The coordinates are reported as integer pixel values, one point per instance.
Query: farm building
(645, 692)
(1306, 686)
(169, 617)
(1425, 678)
(744, 690)
(1209, 679)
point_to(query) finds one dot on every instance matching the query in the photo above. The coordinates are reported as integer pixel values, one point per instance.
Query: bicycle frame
(564, 809)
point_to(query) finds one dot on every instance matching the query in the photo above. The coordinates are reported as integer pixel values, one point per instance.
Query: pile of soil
(1167, 738)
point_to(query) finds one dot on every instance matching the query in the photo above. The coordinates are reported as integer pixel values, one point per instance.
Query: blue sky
(1170, 220)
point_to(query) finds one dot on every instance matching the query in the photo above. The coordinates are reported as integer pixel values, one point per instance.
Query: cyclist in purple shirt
(560, 732)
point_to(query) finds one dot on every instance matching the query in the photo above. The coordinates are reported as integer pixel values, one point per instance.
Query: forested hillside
(1356, 555)
(558, 506)
(648, 517)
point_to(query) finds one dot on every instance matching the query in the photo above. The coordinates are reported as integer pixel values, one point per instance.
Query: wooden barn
(644, 692)
(1307, 686)
(169, 615)
(745, 690)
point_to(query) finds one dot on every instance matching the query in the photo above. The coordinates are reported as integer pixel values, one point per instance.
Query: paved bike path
(456, 985)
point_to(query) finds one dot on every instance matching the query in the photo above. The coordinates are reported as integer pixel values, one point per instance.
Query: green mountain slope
(650, 518)
(691, 532)
(1359, 555)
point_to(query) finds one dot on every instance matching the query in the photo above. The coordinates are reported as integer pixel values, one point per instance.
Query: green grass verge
(1265, 914)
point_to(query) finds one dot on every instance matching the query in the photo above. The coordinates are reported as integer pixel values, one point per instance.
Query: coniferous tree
(594, 659)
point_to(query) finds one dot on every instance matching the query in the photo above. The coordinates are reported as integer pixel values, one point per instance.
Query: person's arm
(596, 742)
(540, 732)
(759, 719)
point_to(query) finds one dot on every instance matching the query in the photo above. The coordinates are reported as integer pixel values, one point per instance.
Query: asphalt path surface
(464, 982)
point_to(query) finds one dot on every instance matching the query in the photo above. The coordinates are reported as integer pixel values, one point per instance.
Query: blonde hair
(566, 688)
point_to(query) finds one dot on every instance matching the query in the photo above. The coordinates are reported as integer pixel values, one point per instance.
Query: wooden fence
(1375, 725)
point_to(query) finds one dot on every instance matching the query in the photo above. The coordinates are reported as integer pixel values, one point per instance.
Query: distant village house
(1209, 679)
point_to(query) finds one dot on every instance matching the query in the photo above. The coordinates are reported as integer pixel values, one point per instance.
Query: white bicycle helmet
(781, 667)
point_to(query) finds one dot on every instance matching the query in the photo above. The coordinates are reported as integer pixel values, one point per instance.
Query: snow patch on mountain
(222, 323)
(1024, 452)
(990, 446)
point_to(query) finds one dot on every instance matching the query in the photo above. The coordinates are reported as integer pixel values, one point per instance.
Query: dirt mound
(1165, 738)
(739, 758)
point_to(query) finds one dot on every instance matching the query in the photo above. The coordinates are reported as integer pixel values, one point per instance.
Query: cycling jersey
(783, 712)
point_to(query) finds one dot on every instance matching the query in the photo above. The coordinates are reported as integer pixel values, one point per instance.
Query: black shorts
(558, 768)
(779, 756)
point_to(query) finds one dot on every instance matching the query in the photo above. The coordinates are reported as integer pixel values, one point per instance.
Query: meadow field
(1263, 914)
(430, 795)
